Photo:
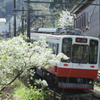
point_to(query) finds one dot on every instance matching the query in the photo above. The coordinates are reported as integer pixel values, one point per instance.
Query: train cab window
(66, 48)
(93, 52)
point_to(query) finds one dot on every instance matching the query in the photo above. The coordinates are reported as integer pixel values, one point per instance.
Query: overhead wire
(92, 14)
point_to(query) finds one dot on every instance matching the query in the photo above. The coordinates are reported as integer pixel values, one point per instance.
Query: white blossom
(38, 81)
(61, 55)
(15, 54)
(44, 83)
(66, 20)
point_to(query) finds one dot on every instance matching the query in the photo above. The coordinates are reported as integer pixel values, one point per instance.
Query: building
(88, 17)
(2, 25)
(8, 27)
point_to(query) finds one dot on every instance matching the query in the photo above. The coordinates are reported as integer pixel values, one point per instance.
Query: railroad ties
(57, 94)
(90, 95)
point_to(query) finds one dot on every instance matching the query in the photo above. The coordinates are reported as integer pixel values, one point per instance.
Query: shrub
(24, 93)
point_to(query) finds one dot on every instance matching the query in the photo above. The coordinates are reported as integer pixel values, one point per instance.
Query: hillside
(7, 6)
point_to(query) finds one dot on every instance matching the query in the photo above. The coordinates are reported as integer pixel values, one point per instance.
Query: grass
(18, 91)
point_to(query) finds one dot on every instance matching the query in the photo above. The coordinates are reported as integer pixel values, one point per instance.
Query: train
(78, 72)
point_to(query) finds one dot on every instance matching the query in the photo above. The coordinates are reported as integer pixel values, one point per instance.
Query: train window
(80, 53)
(49, 44)
(66, 48)
(93, 52)
(54, 48)
(57, 49)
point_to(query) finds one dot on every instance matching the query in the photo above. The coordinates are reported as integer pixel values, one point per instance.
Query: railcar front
(81, 69)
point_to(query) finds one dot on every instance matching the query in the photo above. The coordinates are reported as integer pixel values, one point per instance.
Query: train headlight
(65, 64)
(92, 66)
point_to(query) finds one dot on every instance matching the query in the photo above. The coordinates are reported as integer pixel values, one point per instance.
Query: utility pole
(42, 20)
(14, 18)
(9, 28)
(28, 15)
(28, 21)
(64, 6)
(22, 19)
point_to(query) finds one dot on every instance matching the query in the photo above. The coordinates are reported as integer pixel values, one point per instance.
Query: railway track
(71, 94)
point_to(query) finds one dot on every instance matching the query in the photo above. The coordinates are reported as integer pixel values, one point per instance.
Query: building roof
(2, 20)
(80, 5)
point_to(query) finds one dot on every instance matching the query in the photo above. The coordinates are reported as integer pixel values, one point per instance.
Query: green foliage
(7, 6)
(68, 4)
(7, 93)
(57, 8)
(23, 93)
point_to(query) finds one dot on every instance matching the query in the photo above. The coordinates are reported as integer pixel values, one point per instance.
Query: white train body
(81, 69)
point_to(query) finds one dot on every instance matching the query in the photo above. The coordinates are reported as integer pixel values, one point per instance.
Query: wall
(90, 12)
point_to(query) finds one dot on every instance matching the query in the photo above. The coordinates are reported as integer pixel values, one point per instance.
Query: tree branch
(12, 80)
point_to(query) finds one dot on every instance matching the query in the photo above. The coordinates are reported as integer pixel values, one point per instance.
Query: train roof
(57, 33)
(57, 37)
(48, 29)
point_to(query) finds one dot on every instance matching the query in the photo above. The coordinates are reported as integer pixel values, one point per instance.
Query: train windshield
(67, 48)
(80, 53)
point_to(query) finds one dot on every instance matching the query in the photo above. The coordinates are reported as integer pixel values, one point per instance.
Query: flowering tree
(15, 54)
(66, 20)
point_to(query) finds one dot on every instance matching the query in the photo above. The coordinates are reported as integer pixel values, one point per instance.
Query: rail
(80, 96)
(55, 96)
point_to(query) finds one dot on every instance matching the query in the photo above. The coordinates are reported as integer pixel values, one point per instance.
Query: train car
(78, 72)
